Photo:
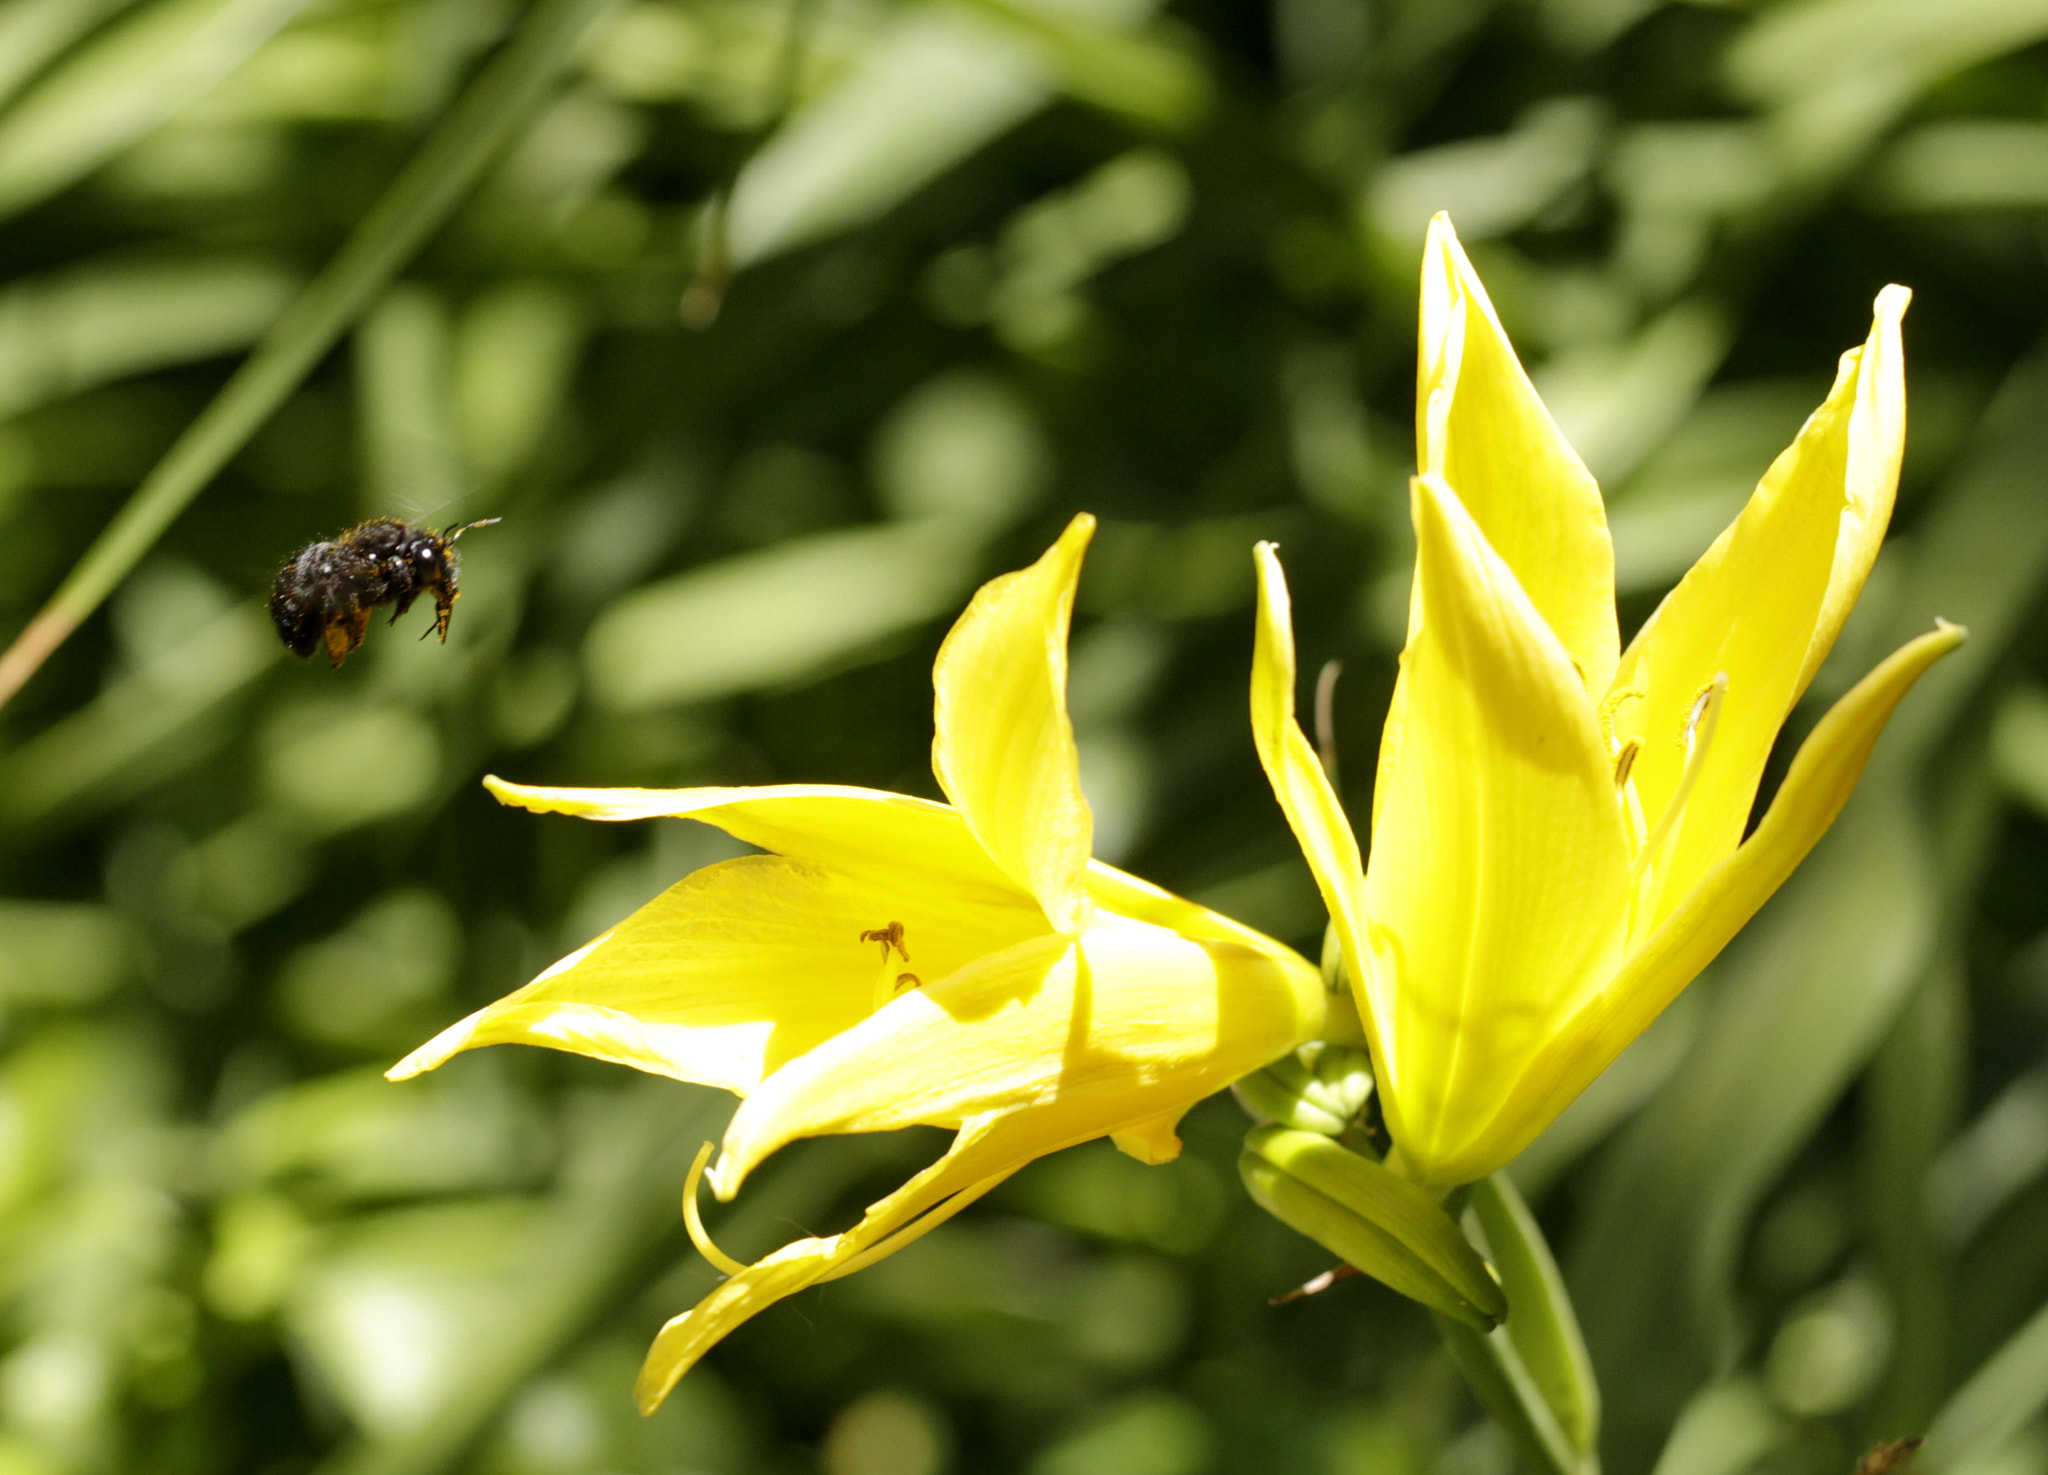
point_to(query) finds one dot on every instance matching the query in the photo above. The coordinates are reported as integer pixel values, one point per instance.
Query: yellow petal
(1820, 781)
(1004, 749)
(1313, 811)
(1877, 442)
(1076, 1037)
(741, 967)
(982, 1156)
(1138, 899)
(1153, 1141)
(1481, 427)
(1762, 608)
(1498, 877)
(890, 840)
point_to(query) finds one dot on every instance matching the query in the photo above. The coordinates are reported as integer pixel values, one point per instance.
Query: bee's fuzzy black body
(325, 592)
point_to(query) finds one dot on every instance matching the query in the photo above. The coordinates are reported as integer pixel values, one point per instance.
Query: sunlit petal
(1077, 1037)
(1120, 897)
(740, 967)
(1500, 859)
(1481, 427)
(1004, 749)
(1819, 783)
(1761, 608)
(890, 840)
(1312, 807)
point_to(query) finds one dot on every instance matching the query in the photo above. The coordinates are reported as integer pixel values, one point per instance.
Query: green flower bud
(1376, 1220)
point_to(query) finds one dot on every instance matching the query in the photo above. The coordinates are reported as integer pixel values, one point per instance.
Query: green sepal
(1379, 1222)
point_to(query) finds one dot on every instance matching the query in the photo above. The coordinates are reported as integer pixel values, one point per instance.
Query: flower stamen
(693, 1222)
(1696, 739)
(1625, 761)
(889, 937)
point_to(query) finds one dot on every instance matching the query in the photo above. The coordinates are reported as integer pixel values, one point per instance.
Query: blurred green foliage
(774, 328)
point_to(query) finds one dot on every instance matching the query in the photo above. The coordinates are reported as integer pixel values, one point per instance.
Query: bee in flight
(325, 591)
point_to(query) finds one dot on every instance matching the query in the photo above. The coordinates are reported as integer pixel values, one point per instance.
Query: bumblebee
(325, 591)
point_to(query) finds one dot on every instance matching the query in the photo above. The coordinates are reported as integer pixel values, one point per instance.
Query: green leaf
(122, 85)
(66, 333)
(1143, 77)
(779, 615)
(1995, 1404)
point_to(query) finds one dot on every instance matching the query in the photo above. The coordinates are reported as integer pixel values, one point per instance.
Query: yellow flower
(1557, 830)
(892, 961)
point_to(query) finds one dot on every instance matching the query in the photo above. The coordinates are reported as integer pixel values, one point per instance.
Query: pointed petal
(1004, 749)
(1076, 1037)
(1499, 862)
(1877, 443)
(739, 968)
(982, 1156)
(1481, 427)
(1819, 783)
(1763, 607)
(1312, 807)
(884, 839)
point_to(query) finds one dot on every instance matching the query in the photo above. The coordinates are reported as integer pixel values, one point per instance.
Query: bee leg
(344, 634)
(404, 604)
(444, 606)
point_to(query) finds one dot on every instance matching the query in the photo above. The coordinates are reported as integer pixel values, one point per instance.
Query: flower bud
(1376, 1220)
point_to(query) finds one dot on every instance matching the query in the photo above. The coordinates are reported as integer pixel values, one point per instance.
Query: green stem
(1531, 1372)
(1494, 1372)
(417, 202)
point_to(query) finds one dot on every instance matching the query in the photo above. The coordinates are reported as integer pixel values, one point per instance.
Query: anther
(889, 937)
(1696, 740)
(1625, 762)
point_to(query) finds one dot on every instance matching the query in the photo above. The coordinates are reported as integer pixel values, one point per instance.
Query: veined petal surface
(1004, 749)
(1481, 427)
(1496, 886)
(1819, 783)
(891, 840)
(1762, 607)
(1078, 1036)
(740, 967)
(1132, 898)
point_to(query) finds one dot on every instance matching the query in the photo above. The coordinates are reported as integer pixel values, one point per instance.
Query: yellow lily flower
(1557, 830)
(893, 962)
